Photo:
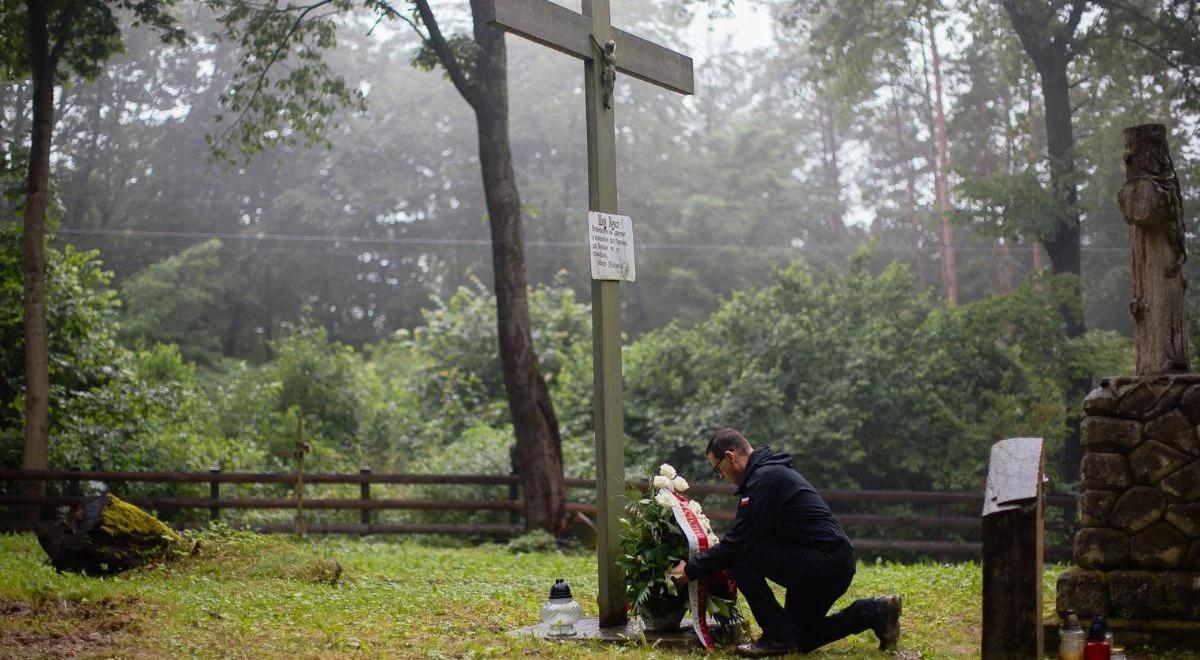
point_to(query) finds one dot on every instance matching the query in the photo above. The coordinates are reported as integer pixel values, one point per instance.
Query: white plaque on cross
(610, 246)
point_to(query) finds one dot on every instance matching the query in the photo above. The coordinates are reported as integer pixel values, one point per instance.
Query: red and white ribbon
(697, 542)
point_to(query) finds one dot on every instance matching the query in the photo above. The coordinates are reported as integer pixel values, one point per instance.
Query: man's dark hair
(724, 440)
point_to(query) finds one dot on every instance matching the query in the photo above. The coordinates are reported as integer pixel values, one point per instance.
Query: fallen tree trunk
(107, 535)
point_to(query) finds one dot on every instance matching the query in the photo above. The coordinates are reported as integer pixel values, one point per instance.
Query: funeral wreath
(654, 542)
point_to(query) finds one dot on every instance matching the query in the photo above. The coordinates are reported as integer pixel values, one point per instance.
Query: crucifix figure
(590, 37)
(608, 76)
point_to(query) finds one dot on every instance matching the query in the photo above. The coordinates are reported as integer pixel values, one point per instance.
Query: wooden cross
(590, 37)
(1152, 206)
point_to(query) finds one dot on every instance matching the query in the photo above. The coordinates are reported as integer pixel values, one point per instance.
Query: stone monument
(1137, 551)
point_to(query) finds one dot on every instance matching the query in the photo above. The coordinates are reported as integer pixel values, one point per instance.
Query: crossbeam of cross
(605, 51)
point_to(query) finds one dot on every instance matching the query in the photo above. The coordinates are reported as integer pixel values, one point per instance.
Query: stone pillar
(1137, 552)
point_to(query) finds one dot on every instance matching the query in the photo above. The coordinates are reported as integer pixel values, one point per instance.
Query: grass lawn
(244, 595)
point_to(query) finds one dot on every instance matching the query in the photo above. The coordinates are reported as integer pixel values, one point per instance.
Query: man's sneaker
(887, 628)
(764, 648)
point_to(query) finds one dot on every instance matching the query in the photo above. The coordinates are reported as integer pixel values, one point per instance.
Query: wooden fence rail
(847, 504)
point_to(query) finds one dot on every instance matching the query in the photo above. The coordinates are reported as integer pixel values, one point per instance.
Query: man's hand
(678, 575)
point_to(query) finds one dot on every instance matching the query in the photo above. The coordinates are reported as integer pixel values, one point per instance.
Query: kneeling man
(784, 532)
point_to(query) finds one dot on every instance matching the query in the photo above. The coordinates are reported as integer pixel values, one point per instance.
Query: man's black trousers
(814, 579)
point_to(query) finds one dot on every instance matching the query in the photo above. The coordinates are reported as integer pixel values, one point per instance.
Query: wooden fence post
(364, 493)
(73, 489)
(214, 493)
(1013, 533)
(302, 448)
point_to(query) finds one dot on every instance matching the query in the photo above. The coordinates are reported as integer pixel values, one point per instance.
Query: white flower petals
(667, 471)
(681, 484)
(661, 482)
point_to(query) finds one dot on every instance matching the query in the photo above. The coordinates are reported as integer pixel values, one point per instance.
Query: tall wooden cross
(590, 37)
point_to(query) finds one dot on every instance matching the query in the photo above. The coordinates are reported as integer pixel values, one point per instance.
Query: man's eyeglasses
(717, 466)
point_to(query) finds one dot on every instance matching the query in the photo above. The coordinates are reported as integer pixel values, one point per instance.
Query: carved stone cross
(1151, 203)
(605, 52)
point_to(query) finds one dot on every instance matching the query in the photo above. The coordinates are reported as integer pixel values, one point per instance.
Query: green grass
(245, 595)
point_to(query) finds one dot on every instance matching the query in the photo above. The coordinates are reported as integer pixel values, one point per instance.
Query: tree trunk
(910, 193)
(539, 446)
(33, 246)
(833, 175)
(942, 179)
(1062, 246)
(1152, 206)
(1050, 52)
(1051, 55)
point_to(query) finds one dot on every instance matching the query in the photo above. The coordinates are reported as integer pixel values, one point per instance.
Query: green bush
(866, 383)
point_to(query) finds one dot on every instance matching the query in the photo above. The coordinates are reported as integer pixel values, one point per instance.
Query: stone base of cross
(605, 52)
(1137, 549)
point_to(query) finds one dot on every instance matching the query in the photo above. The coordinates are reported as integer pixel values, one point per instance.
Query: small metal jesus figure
(608, 74)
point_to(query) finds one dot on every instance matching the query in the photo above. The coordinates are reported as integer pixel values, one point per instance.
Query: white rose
(661, 482)
(713, 540)
(694, 507)
(666, 471)
(681, 484)
(664, 499)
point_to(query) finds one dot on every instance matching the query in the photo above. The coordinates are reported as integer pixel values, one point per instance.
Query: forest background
(841, 250)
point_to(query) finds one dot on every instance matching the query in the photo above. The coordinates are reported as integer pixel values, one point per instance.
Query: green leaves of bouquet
(651, 546)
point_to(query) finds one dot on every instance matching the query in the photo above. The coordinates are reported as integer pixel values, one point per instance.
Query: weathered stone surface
(1146, 399)
(1106, 434)
(1160, 546)
(1138, 508)
(1094, 507)
(1082, 590)
(1173, 429)
(1181, 592)
(1153, 460)
(1190, 403)
(1101, 401)
(1105, 472)
(1100, 547)
(1193, 556)
(1185, 518)
(1136, 594)
(1185, 484)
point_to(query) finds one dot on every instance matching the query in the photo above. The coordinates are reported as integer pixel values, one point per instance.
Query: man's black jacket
(776, 506)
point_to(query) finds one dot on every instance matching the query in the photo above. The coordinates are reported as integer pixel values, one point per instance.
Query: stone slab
(1174, 429)
(1152, 461)
(1190, 403)
(1160, 546)
(1105, 471)
(1014, 474)
(1108, 434)
(1082, 590)
(1185, 518)
(1184, 484)
(1094, 507)
(1182, 592)
(1137, 508)
(588, 630)
(1136, 595)
(1146, 398)
(1101, 547)
(1101, 402)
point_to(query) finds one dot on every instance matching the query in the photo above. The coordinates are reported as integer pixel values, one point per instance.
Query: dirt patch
(60, 628)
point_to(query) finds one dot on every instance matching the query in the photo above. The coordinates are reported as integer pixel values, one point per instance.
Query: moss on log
(107, 535)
